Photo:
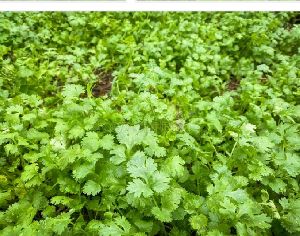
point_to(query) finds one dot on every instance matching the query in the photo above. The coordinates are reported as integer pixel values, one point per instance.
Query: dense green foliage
(198, 134)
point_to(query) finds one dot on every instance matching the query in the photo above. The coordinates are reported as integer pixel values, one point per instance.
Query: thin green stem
(232, 150)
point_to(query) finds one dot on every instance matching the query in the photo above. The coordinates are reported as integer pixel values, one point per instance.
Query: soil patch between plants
(104, 83)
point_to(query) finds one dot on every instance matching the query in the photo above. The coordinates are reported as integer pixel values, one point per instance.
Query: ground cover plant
(149, 124)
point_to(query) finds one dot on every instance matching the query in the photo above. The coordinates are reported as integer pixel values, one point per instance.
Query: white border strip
(133, 5)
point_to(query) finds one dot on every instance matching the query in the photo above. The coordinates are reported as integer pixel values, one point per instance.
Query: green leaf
(292, 164)
(264, 195)
(25, 72)
(174, 166)
(161, 214)
(91, 188)
(107, 142)
(139, 188)
(61, 200)
(30, 171)
(58, 224)
(129, 135)
(198, 221)
(119, 155)
(82, 170)
(290, 214)
(72, 91)
(213, 120)
(160, 182)
(262, 143)
(91, 141)
(76, 132)
(120, 226)
(171, 198)
(141, 166)
(187, 139)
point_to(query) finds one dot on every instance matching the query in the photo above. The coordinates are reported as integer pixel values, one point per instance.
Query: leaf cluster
(199, 134)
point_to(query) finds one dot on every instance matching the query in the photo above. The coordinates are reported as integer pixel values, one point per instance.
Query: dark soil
(104, 83)
(233, 84)
(293, 21)
(264, 79)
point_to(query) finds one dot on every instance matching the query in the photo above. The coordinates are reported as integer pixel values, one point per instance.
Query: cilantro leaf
(139, 188)
(91, 188)
(91, 141)
(141, 166)
(72, 91)
(129, 135)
